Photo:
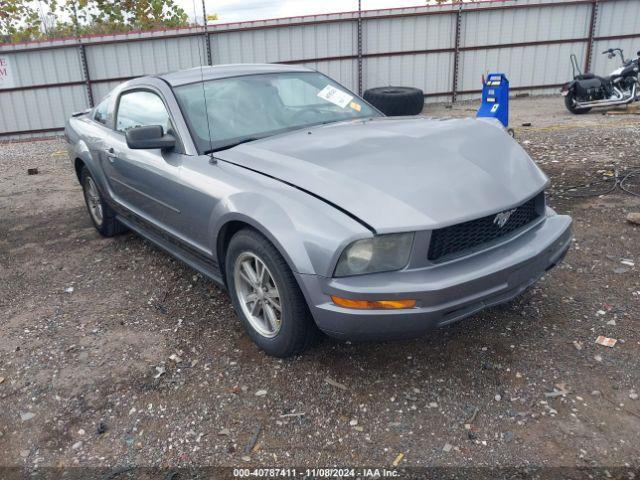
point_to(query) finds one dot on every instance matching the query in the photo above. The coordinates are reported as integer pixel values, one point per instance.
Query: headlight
(382, 253)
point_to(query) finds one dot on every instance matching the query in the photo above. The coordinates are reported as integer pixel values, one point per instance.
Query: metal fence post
(456, 55)
(592, 31)
(359, 47)
(83, 55)
(85, 73)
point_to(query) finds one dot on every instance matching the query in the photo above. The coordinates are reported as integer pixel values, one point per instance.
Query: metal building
(444, 50)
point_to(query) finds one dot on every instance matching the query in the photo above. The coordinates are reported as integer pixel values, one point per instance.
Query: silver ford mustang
(312, 209)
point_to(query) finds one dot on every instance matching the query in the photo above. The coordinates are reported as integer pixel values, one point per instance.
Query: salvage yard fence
(444, 50)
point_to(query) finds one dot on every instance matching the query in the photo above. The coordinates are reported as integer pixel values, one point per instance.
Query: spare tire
(395, 101)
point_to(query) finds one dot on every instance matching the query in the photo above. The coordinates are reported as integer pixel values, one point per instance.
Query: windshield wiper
(233, 144)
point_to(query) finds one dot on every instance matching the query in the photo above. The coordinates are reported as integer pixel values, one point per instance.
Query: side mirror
(149, 137)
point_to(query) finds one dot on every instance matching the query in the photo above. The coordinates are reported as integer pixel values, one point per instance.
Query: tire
(396, 101)
(106, 223)
(569, 100)
(296, 329)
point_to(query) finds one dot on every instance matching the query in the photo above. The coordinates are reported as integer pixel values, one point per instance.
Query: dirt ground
(88, 325)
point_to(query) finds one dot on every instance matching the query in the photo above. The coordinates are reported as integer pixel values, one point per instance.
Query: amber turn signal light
(373, 305)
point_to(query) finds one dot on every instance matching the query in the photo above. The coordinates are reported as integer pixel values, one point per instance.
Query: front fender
(306, 231)
(268, 218)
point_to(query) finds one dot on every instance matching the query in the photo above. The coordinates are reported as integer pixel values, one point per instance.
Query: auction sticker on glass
(6, 74)
(335, 96)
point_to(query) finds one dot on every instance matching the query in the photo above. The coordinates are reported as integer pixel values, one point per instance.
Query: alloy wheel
(94, 202)
(258, 294)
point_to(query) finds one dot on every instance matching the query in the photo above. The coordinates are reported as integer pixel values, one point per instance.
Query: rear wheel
(102, 216)
(570, 103)
(267, 297)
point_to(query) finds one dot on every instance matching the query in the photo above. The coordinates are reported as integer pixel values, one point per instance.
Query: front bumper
(445, 293)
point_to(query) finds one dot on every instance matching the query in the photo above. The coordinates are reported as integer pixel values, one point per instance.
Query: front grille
(459, 238)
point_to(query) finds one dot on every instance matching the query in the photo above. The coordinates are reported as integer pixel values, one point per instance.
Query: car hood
(401, 174)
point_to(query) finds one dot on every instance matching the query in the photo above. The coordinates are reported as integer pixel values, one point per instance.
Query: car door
(145, 181)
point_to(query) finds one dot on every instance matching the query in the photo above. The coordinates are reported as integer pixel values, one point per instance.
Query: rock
(260, 393)
(68, 290)
(498, 397)
(353, 422)
(333, 383)
(508, 436)
(633, 396)
(293, 414)
(175, 358)
(447, 447)
(102, 428)
(634, 217)
(77, 446)
(81, 432)
(433, 404)
(225, 432)
(24, 453)
(559, 389)
(27, 416)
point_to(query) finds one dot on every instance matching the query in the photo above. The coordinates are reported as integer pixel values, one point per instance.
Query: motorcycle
(587, 90)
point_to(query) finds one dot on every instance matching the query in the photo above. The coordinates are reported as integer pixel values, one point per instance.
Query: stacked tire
(396, 101)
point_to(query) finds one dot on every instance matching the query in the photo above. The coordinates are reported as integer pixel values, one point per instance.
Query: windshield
(241, 109)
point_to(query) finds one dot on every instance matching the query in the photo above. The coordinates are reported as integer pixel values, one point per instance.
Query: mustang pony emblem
(503, 217)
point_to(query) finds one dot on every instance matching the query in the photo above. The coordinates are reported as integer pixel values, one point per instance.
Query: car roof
(198, 74)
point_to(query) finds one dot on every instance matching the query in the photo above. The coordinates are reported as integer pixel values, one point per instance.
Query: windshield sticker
(335, 96)
(356, 106)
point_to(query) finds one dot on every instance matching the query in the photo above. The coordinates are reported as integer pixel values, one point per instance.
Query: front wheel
(570, 103)
(267, 297)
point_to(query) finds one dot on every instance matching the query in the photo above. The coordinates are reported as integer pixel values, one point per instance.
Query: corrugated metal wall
(444, 50)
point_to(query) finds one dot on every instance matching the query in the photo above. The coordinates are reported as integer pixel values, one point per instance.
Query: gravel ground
(89, 326)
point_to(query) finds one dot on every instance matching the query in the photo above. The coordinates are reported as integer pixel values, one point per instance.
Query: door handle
(111, 154)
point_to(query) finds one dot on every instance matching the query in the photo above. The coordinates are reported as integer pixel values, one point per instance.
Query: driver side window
(141, 108)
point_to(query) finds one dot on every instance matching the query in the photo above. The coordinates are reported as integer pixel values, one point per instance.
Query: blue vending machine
(495, 98)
